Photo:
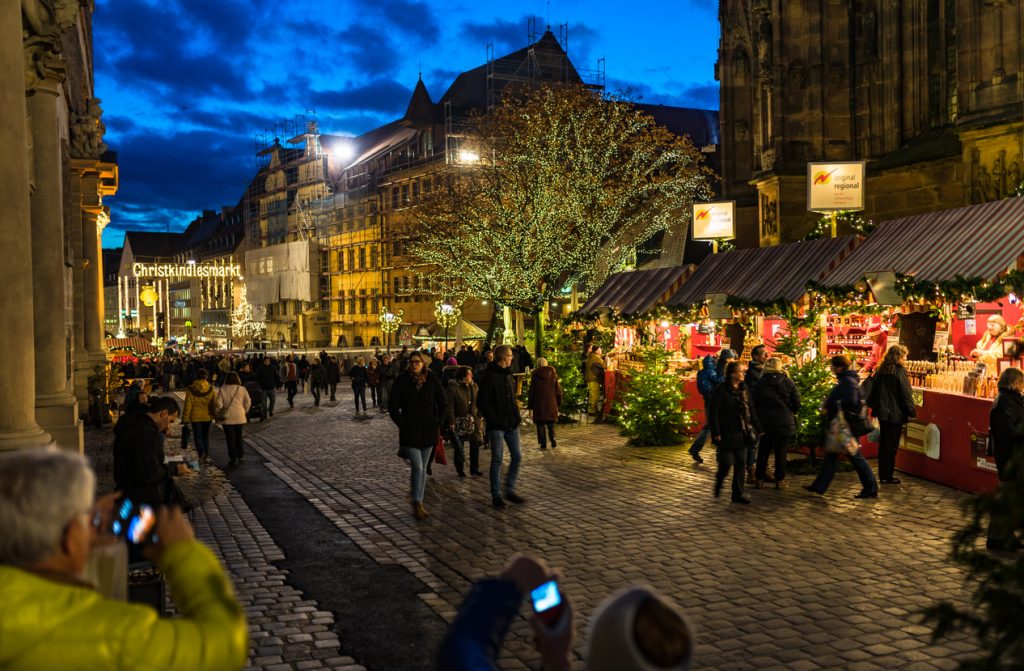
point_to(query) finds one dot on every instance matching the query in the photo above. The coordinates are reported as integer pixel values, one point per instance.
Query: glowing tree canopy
(243, 324)
(556, 186)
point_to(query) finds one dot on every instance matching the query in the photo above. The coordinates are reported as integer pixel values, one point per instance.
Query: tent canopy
(637, 291)
(470, 331)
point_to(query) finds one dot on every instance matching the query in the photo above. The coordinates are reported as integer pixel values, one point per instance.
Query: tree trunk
(493, 324)
(538, 334)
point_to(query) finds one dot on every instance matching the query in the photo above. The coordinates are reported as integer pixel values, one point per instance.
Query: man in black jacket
(139, 469)
(269, 380)
(498, 405)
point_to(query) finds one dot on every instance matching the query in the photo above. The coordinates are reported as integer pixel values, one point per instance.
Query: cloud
(380, 95)
(414, 18)
(679, 94)
(505, 35)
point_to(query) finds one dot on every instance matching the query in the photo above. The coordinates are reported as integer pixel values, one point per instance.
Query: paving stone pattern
(287, 632)
(792, 581)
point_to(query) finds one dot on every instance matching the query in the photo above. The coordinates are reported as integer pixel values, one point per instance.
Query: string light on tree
(389, 323)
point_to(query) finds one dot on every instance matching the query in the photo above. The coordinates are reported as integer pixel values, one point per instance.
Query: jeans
(550, 428)
(888, 444)
(269, 399)
(457, 443)
(828, 471)
(332, 387)
(418, 457)
(233, 437)
(769, 445)
(373, 394)
(201, 435)
(292, 387)
(500, 438)
(359, 393)
(383, 392)
(705, 432)
(736, 459)
(315, 390)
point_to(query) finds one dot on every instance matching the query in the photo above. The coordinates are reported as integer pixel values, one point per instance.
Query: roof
(421, 107)
(370, 143)
(701, 125)
(978, 241)
(765, 274)
(638, 290)
(152, 245)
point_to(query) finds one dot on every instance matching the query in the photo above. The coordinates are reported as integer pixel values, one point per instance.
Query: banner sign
(835, 186)
(714, 220)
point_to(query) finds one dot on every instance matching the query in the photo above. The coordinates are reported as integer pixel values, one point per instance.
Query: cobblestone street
(793, 581)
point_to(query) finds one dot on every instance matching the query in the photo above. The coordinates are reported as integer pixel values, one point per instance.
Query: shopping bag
(840, 439)
(439, 457)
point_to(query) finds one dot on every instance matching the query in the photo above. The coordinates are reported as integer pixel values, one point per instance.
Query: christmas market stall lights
(945, 285)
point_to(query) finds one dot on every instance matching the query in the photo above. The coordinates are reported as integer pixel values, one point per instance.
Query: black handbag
(860, 423)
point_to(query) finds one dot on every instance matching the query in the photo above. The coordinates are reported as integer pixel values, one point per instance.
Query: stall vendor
(879, 341)
(990, 346)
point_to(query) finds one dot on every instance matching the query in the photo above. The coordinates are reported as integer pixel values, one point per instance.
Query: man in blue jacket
(708, 378)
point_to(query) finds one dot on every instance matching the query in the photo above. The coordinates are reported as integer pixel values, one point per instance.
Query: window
(397, 248)
(341, 306)
(426, 186)
(362, 257)
(362, 301)
(351, 259)
(415, 191)
(398, 286)
(405, 194)
(351, 302)
(373, 257)
(394, 198)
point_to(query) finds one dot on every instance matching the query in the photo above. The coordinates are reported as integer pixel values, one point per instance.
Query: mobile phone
(134, 522)
(547, 603)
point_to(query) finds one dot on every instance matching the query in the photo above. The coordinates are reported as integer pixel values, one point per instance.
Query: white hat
(612, 643)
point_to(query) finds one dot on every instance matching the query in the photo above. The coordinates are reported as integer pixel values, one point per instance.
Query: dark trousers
(293, 388)
(373, 394)
(201, 434)
(359, 394)
(550, 428)
(333, 388)
(1003, 524)
(736, 459)
(233, 437)
(315, 390)
(772, 445)
(888, 443)
(457, 443)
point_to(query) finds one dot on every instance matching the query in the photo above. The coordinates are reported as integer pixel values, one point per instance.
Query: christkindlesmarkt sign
(835, 186)
(180, 270)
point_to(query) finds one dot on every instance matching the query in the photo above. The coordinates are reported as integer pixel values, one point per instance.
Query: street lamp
(389, 323)
(447, 316)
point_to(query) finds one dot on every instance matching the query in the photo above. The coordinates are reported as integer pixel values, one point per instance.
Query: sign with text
(835, 186)
(717, 309)
(714, 220)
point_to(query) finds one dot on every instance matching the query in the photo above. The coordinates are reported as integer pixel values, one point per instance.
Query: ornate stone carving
(87, 132)
(995, 178)
(769, 218)
(44, 23)
(742, 130)
(740, 65)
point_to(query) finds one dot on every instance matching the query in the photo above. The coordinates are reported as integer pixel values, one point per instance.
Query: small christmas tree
(810, 374)
(651, 409)
(568, 364)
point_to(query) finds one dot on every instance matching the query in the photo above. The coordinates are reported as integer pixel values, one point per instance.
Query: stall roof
(638, 290)
(977, 241)
(765, 274)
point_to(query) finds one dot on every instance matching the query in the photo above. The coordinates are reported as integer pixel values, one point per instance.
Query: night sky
(187, 85)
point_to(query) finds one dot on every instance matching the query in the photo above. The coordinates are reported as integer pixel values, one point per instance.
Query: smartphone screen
(133, 522)
(547, 603)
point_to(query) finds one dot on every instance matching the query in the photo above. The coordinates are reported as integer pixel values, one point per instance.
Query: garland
(850, 219)
(960, 289)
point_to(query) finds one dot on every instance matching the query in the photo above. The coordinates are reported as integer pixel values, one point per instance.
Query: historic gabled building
(929, 92)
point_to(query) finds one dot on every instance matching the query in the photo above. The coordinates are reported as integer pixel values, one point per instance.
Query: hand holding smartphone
(134, 522)
(548, 603)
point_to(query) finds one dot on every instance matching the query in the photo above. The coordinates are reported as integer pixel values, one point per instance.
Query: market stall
(945, 285)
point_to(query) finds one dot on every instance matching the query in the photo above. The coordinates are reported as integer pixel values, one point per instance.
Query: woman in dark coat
(892, 402)
(544, 398)
(847, 393)
(734, 428)
(776, 402)
(418, 406)
(1006, 431)
(464, 422)
(358, 375)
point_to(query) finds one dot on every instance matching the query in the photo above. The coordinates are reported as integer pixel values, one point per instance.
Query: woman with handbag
(417, 406)
(776, 401)
(463, 420)
(232, 414)
(734, 429)
(892, 402)
(846, 397)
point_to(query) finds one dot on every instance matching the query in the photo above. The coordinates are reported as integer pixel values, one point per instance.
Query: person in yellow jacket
(199, 402)
(51, 619)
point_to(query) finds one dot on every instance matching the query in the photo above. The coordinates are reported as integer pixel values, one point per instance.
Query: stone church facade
(54, 176)
(930, 93)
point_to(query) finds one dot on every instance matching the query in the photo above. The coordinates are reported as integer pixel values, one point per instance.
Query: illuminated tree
(552, 189)
(244, 324)
(651, 410)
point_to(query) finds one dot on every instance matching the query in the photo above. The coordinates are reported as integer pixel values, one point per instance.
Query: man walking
(594, 376)
(333, 376)
(269, 380)
(291, 380)
(498, 405)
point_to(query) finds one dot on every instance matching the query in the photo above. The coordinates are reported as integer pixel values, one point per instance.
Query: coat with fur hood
(198, 399)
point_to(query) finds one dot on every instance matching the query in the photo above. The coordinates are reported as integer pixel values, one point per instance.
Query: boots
(781, 484)
(419, 512)
(750, 476)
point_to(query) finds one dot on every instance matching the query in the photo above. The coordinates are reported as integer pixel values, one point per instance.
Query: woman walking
(200, 400)
(373, 380)
(357, 373)
(734, 429)
(776, 402)
(544, 398)
(463, 417)
(232, 409)
(388, 372)
(892, 402)
(417, 406)
(847, 393)
(1006, 428)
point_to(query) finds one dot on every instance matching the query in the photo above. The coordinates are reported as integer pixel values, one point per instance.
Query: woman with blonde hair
(892, 402)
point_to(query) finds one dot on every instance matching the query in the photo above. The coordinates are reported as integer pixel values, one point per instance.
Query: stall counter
(963, 431)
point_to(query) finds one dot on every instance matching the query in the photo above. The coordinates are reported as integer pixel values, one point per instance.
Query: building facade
(930, 93)
(53, 180)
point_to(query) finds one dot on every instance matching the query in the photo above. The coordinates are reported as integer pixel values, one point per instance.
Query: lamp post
(447, 316)
(389, 323)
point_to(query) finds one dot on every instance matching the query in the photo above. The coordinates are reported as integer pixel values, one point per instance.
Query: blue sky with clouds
(187, 85)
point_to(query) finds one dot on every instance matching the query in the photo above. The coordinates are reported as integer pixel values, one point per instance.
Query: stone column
(18, 427)
(56, 409)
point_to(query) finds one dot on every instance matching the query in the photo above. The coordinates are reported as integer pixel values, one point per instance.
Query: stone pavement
(287, 632)
(792, 581)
